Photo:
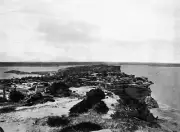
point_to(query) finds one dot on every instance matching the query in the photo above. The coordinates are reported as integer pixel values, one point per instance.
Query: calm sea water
(166, 88)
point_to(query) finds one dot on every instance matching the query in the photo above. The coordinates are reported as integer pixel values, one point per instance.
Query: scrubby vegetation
(16, 96)
(82, 127)
(92, 97)
(56, 121)
(7, 109)
(101, 108)
(38, 98)
(59, 88)
(2, 100)
(95, 95)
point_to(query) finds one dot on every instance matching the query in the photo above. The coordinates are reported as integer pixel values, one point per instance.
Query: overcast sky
(90, 30)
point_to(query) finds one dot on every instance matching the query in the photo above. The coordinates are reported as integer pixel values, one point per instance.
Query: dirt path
(23, 119)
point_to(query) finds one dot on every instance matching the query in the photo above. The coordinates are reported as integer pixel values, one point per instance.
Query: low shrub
(101, 108)
(95, 95)
(82, 127)
(34, 97)
(56, 121)
(59, 88)
(56, 86)
(7, 109)
(81, 107)
(38, 98)
(2, 100)
(92, 97)
(16, 96)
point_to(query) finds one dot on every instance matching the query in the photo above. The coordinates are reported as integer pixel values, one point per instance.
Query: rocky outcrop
(132, 88)
(36, 72)
(17, 72)
(144, 113)
(151, 102)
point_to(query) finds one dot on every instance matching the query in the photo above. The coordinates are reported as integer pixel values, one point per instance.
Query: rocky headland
(100, 94)
(35, 72)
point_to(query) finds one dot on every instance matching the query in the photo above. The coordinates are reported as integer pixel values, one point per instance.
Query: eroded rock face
(132, 88)
(137, 92)
(151, 102)
(144, 113)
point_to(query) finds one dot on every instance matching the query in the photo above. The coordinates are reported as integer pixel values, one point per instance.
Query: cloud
(63, 33)
(84, 30)
(3, 36)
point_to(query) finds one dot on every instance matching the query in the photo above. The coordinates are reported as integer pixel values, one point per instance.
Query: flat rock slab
(103, 130)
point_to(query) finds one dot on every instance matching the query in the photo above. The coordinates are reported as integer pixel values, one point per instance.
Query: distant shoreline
(49, 64)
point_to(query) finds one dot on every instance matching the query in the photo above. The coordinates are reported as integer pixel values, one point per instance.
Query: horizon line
(79, 62)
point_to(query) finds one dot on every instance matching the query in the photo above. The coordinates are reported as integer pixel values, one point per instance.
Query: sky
(90, 30)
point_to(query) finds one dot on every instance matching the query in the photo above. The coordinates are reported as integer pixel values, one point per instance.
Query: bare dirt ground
(23, 120)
